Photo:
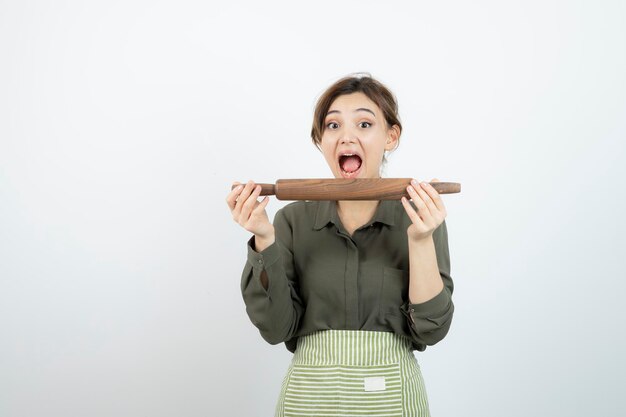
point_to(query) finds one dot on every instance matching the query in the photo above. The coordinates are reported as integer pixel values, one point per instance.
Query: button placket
(351, 286)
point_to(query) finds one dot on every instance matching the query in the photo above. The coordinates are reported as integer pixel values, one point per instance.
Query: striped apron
(353, 373)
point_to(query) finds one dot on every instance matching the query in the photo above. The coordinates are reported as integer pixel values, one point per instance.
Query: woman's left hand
(430, 210)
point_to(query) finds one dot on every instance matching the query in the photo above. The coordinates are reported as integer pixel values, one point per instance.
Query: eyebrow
(359, 109)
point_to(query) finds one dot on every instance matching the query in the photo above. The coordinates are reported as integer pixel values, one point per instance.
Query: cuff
(431, 308)
(263, 259)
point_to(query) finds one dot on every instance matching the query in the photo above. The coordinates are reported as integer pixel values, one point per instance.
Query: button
(411, 310)
(260, 261)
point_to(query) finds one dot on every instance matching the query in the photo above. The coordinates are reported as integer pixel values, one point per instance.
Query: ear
(393, 136)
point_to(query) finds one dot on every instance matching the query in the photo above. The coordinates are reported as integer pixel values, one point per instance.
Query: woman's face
(356, 136)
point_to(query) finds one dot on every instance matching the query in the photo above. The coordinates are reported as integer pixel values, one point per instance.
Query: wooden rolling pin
(348, 189)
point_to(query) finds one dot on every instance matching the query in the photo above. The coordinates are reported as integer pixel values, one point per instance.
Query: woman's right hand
(250, 213)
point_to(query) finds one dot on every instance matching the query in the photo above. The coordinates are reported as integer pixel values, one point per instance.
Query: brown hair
(373, 89)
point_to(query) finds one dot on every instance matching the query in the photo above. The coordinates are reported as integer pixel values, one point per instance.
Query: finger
(435, 197)
(423, 190)
(241, 199)
(245, 193)
(249, 204)
(261, 206)
(422, 208)
(410, 211)
(236, 185)
(435, 180)
(232, 196)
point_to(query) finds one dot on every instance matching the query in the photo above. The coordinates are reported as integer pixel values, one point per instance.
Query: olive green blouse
(320, 277)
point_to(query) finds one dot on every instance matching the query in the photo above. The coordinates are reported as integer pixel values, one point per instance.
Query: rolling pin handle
(266, 189)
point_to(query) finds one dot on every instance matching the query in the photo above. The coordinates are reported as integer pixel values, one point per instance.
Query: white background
(123, 124)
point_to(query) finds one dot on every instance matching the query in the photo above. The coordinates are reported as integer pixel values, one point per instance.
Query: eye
(332, 125)
(365, 125)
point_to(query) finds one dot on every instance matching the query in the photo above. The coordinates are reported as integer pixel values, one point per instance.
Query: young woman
(351, 287)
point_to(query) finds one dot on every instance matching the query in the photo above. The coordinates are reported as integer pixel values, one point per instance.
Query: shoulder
(296, 208)
(298, 212)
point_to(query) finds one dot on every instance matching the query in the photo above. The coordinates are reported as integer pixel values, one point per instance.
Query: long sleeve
(430, 321)
(277, 311)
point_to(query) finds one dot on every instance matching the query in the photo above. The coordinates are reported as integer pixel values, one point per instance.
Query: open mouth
(350, 164)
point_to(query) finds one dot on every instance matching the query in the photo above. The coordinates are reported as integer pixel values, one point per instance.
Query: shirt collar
(327, 213)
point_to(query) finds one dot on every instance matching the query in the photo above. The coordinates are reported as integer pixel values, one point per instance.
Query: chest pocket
(395, 291)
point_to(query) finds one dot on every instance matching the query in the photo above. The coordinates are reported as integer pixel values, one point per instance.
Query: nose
(348, 137)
